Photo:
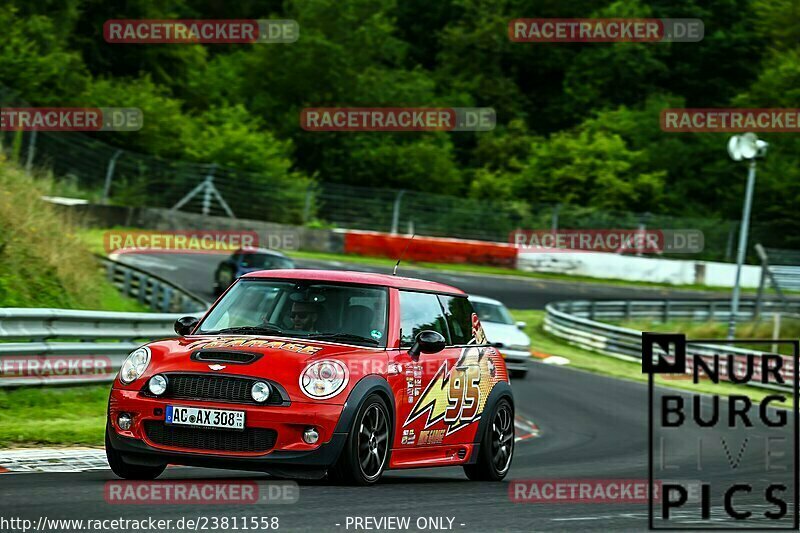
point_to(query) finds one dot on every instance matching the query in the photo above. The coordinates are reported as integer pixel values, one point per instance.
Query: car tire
(128, 471)
(518, 374)
(368, 447)
(493, 463)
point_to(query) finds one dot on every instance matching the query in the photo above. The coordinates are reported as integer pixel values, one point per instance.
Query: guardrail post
(166, 300)
(666, 310)
(628, 310)
(712, 310)
(110, 268)
(126, 282)
(142, 296)
(155, 301)
(592, 307)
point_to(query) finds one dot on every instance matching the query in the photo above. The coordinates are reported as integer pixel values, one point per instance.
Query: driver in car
(304, 316)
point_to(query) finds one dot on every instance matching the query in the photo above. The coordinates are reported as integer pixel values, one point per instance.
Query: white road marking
(142, 261)
(53, 460)
(526, 427)
(555, 360)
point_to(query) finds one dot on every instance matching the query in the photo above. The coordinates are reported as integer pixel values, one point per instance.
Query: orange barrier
(430, 249)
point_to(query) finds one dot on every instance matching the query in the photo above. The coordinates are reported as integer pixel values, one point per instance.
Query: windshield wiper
(262, 330)
(343, 337)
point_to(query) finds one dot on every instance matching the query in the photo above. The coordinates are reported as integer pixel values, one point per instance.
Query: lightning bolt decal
(434, 399)
(455, 395)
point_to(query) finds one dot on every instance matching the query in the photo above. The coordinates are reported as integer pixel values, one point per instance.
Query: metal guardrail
(665, 310)
(151, 290)
(46, 324)
(577, 323)
(784, 266)
(45, 358)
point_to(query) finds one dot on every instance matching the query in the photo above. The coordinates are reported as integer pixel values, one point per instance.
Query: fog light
(158, 384)
(310, 436)
(260, 391)
(124, 421)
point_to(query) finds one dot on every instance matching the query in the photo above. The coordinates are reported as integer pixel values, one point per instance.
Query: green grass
(762, 329)
(609, 366)
(42, 262)
(53, 416)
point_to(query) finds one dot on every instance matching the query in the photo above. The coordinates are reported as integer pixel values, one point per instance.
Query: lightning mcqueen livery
(306, 373)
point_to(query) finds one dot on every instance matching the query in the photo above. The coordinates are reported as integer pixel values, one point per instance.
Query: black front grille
(248, 440)
(218, 388)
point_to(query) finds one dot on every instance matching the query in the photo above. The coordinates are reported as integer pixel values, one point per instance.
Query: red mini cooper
(304, 373)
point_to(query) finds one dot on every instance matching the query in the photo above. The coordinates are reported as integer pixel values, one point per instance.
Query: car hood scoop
(235, 357)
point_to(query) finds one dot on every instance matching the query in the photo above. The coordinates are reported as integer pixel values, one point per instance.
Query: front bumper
(289, 450)
(516, 359)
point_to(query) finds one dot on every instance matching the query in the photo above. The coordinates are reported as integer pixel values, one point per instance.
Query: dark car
(245, 261)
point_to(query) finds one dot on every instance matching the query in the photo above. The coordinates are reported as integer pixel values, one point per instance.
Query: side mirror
(427, 341)
(185, 325)
(521, 324)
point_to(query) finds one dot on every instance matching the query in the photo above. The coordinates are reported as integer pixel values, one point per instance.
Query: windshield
(492, 313)
(304, 309)
(265, 261)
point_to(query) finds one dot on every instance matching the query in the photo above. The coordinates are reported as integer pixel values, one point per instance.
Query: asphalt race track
(195, 272)
(591, 427)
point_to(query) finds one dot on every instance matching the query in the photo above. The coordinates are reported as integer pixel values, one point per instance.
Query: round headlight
(323, 379)
(135, 365)
(260, 391)
(158, 384)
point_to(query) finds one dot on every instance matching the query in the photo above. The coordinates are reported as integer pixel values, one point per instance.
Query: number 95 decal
(457, 396)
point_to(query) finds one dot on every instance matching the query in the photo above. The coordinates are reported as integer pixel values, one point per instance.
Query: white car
(504, 334)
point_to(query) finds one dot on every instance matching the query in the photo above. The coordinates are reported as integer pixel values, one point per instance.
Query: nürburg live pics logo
(724, 450)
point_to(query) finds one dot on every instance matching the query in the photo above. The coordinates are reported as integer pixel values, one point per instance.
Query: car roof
(484, 300)
(362, 278)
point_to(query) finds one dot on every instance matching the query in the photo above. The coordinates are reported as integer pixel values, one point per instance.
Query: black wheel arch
(500, 391)
(366, 386)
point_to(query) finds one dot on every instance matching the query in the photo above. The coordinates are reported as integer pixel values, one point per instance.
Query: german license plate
(201, 417)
